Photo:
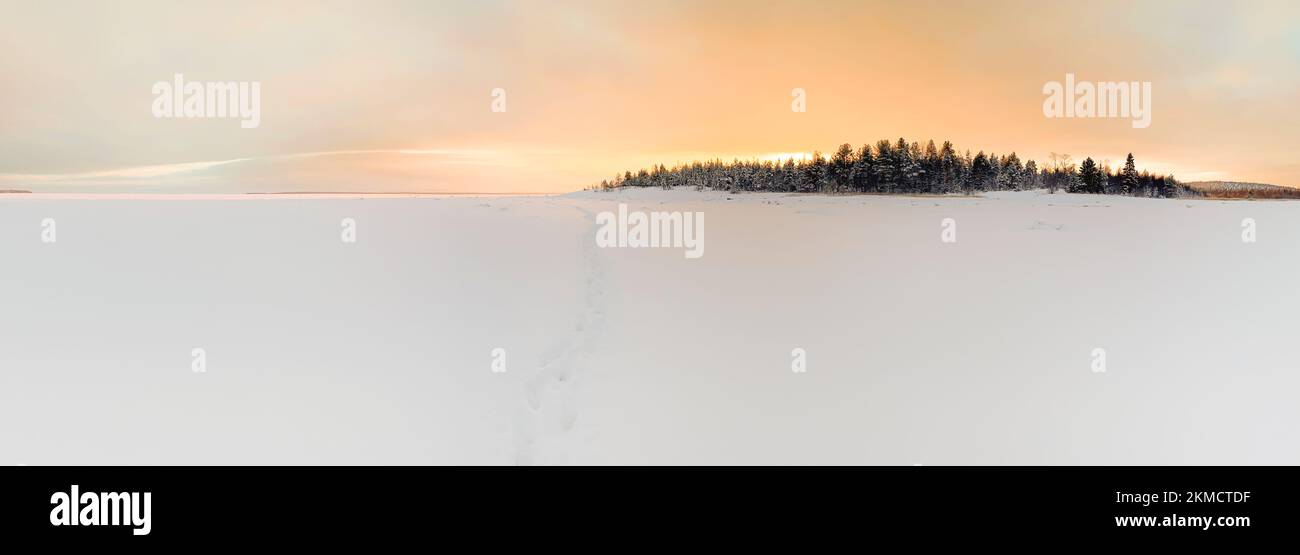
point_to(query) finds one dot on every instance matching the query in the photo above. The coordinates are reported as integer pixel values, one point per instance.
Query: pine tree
(1129, 177)
(905, 166)
(790, 175)
(991, 181)
(813, 173)
(930, 169)
(1168, 186)
(949, 169)
(1009, 177)
(1030, 179)
(841, 168)
(981, 173)
(886, 167)
(863, 174)
(1091, 177)
(967, 167)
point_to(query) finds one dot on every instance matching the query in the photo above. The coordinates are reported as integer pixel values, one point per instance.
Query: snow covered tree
(1030, 179)
(905, 166)
(1129, 176)
(949, 169)
(930, 169)
(840, 169)
(813, 172)
(1009, 177)
(982, 174)
(899, 166)
(863, 177)
(1090, 177)
(886, 166)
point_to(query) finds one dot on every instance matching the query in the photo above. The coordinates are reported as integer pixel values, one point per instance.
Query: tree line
(907, 168)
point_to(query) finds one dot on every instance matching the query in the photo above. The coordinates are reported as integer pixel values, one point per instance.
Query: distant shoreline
(301, 195)
(395, 193)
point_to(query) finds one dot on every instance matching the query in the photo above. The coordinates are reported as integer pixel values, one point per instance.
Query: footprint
(552, 409)
(533, 394)
(552, 354)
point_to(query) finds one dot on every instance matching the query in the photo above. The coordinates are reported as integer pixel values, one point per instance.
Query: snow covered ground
(918, 351)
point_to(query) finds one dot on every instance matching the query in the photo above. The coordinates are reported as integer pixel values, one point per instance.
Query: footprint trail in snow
(545, 425)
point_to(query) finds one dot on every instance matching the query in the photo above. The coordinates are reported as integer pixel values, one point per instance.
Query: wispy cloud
(380, 170)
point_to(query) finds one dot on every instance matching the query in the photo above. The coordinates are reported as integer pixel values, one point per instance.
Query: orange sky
(372, 96)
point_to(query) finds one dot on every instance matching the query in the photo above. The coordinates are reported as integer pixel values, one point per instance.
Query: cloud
(396, 170)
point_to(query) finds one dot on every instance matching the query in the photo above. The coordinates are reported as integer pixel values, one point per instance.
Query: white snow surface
(918, 352)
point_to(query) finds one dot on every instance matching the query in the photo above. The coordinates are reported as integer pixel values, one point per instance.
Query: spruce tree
(949, 169)
(930, 169)
(841, 167)
(981, 173)
(813, 173)
(905, 166)
(1129, 180)
(886, 167)
(863, 173)
(1092, 179)
(790, 175)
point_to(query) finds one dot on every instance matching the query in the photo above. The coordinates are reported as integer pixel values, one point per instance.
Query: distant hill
(6, 191)
(1238, 190)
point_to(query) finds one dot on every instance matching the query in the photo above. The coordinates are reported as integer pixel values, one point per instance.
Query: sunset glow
(595, 89)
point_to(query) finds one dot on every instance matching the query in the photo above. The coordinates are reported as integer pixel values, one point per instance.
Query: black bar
(326, 504)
